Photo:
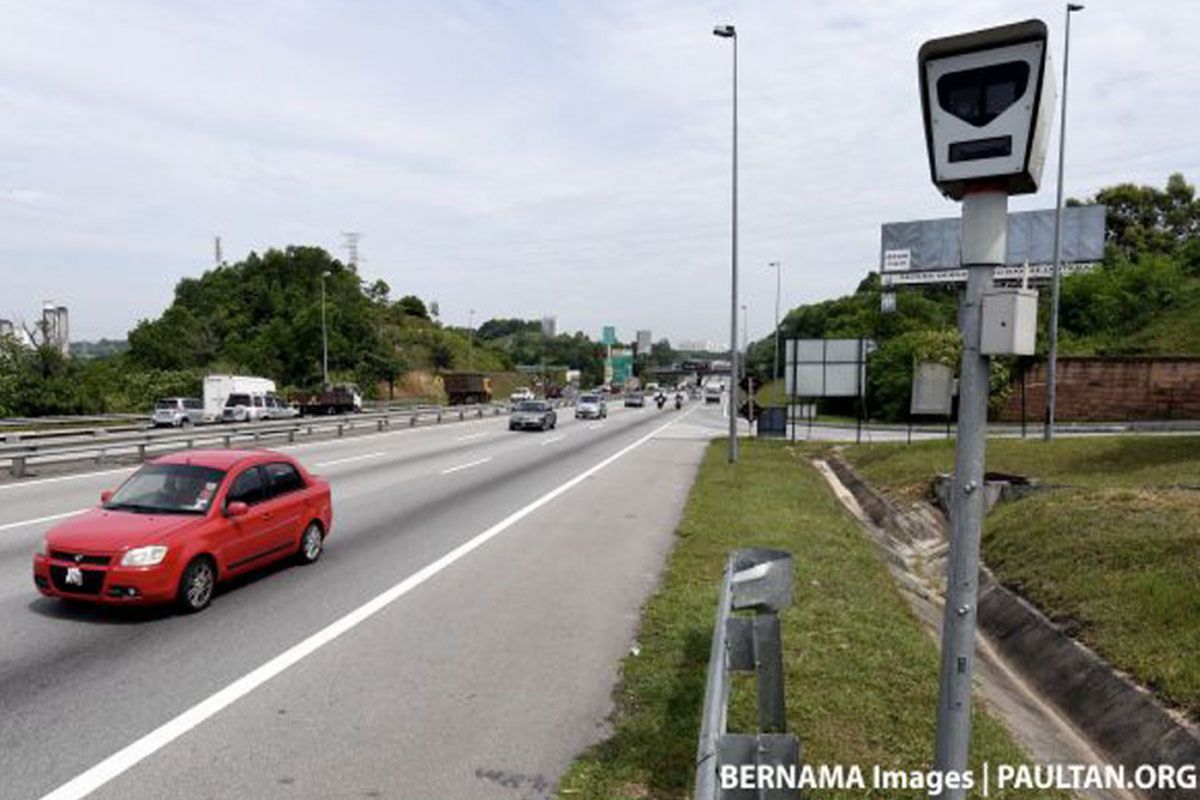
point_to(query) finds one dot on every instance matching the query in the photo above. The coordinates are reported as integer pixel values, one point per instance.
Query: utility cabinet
(1009, 322)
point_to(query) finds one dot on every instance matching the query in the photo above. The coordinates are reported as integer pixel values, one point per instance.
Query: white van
(246, 407)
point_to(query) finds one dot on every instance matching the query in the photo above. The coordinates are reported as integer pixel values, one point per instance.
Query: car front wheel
(312, 544)
(197, 584)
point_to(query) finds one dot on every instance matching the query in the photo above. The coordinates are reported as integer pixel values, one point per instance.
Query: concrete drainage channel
(1060, 699)
(20, 455)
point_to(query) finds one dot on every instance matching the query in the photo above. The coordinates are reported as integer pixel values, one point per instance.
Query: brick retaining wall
(1111, 389)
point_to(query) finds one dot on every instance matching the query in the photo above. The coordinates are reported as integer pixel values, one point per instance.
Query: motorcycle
(678, 402)
(661, 400)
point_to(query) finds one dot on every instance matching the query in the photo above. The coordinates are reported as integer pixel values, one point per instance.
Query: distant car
(522, 394)
(533, 415)
(635, 399)
(591, 406)
(278, 409)
(712, 394)
(243, 407)
(178, 412)
(182, 524)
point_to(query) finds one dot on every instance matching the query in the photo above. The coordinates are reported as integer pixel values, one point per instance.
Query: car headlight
(144, 556)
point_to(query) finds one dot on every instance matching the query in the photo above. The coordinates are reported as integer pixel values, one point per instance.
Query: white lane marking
(467, 465)
(52, 517)
(554, 439)
(349, 459)
(125, 758)
(19, 484)
(471, 436)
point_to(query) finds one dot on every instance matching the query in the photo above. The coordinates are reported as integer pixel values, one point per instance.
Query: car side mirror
(105, 496)
(236, 509)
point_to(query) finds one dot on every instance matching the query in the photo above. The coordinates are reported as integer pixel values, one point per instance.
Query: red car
(183, 523)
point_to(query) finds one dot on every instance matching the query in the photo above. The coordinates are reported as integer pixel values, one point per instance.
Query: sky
(521, 157)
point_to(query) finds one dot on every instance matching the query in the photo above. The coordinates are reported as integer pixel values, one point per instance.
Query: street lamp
(324, 334)
(1052, 358)
(471, 341)
(729, 32)
(775, 364)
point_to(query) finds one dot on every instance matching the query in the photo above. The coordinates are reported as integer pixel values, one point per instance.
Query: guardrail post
(479, 411)
(461, 415)
(100, 457)
(18, 466)
(340, 427)
(439, 416)
(760, 582)
(142, 451)
(226, 440)
(291, 435)
(191, 444)
(412, 421)
(379, 425)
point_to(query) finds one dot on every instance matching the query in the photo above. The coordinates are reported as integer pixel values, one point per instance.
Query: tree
(412, 306)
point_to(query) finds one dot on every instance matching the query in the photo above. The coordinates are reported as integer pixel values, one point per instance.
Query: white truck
(218, 388)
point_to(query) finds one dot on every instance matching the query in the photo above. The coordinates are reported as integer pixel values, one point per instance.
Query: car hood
(103, 530)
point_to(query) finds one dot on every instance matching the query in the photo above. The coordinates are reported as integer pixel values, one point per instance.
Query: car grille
(80, 558)
(93, 580)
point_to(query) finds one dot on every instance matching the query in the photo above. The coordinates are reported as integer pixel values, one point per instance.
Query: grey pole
(324, 336)
(729, 32)
(1052, 357)
(775, 366)
(471, 341)
(984, 231)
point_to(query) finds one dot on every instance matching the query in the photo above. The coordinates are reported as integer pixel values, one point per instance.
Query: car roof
(220, 459)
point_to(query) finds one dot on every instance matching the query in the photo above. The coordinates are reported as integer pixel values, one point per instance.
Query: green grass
(861, 675)
(1114, 557)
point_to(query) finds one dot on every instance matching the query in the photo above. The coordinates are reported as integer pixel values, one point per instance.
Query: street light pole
(775, 364)
(471, 341)
(1052, 357)
(324, 336)
(730, 32)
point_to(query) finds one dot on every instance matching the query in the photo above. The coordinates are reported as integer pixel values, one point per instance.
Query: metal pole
(471, 341)
(324, 337)
(733, 297)
(775, 365)
(1052, 358)
(984, 227)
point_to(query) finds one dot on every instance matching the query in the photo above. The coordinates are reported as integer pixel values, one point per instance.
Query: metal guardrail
(757, 581)
(103, 443)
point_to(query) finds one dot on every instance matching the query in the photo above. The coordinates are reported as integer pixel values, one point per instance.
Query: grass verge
(861, 675)
(1114, 556)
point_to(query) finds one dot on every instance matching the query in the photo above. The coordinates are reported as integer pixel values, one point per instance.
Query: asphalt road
(459, 638)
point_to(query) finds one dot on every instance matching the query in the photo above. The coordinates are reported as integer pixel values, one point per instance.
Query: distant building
(56, 328)
(699, 346)
(549, 326)
(643, 343)
(9, 328)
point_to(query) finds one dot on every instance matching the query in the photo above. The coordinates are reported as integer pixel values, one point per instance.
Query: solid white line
(554, 439)
(19, 484)
(471, 436)
(125, 758)
(468, 465)
(8, 525)
(349, 459)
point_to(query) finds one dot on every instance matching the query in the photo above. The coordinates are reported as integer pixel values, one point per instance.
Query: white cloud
(517, 158)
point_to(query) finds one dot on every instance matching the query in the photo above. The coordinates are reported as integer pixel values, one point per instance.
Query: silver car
(178, 412)
(533, 415)
(591, 406)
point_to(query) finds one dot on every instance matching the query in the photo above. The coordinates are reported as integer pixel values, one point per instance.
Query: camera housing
(988, 103)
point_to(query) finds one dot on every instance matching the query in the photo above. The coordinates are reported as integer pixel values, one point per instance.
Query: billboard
(826, 367)
(619, 366)
(907, 248)
(933, 389)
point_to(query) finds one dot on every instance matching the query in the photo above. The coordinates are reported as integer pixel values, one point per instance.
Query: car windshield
(589, 398)
(167, 489)
(531, 405)
(237, 400)
(166, 405)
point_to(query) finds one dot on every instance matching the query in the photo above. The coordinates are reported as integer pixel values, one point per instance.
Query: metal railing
(102, 443)
(760, 582)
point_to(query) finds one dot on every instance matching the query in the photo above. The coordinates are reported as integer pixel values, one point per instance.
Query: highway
(459, 638)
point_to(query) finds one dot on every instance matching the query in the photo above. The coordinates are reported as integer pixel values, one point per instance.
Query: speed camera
(988, 102)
